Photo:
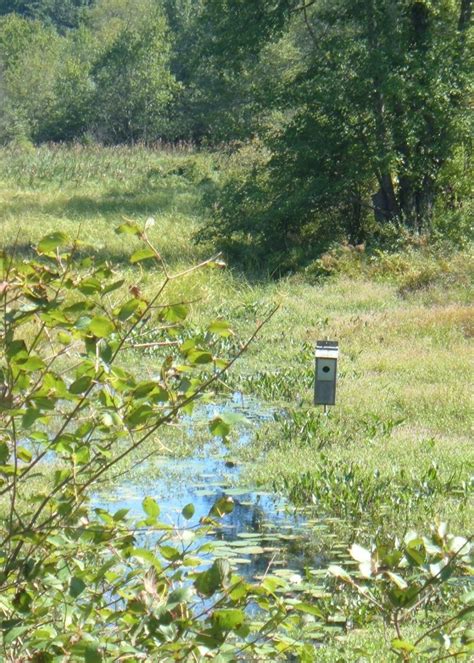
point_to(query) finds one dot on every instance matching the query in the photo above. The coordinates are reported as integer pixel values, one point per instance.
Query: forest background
(325, 147)
(348, 121)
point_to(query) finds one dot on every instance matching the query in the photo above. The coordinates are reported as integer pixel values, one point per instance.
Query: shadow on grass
(114, 203)
(173, 256)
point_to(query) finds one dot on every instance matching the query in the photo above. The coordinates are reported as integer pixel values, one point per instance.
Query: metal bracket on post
(327, 353)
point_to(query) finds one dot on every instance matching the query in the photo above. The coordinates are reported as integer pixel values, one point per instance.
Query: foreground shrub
(84, 584)
(79, 583)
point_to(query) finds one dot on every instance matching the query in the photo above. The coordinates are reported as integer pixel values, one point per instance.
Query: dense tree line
(61, 13)
(109, 77)
(376, 125)
(353, 114)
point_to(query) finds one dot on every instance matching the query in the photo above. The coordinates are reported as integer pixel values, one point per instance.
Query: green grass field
(406, 353)
(404, 413)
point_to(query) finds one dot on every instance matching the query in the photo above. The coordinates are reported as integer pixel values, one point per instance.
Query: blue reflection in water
(202, 480)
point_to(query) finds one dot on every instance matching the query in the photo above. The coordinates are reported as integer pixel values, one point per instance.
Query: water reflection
(261, 532)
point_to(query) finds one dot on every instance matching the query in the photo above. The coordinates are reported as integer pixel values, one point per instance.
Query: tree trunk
(465, 15)
(385, 203)
(416, 203)
(355, 227)
(407, 201)
(424, 205)
(385, 200)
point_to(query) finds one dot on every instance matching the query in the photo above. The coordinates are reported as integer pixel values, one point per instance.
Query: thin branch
(156, 344)
(196, 267)
(455, 655)
(163, 420)
(303, 7)
(309, 27)
(444, 623)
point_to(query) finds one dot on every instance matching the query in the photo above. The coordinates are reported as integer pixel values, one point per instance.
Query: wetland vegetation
(393, 457)
(192, 193)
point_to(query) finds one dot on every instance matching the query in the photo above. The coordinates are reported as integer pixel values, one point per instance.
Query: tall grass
(403, 320)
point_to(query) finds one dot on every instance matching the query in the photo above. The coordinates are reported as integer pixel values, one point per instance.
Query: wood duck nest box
(327, 353)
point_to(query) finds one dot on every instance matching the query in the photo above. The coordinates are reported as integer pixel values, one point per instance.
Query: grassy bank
(403, 321)
(396, 452)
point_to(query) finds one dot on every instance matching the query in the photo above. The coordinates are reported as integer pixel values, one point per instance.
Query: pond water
(262, 532)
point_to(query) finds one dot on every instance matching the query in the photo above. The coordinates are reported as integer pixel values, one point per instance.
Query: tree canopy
(359, 108)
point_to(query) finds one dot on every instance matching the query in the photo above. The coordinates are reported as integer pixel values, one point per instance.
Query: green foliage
(78, 582)
(412, 269)
(401, 578)
(346, 491)
(134, 86)
(46, 81)
(371, 122)
(395, 448)
(62, 13)
(218, 103)
(112, 80)
(351, 132)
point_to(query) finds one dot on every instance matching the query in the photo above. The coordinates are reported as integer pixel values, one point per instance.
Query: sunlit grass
(406, 352)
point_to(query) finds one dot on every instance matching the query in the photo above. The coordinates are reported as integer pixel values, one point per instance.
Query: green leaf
(17, 350)
(82, 455)
(30, 416)
(170, 553)
(139, 415)
(79, 307)
(220, 328)
(271, 583)
(143, 389)
(101, 327)
(199, 357)
(221, 426)
(121, 514)
(147, 556)
(113, 286)
(178, 596)
(90, 286)
(13, 633)
(52, 241)
(4, 452)
(33, 363)
(216, 577)
(188, 345)
(309, 609)
(127, 229)
(228, 619)
(223, 505)
(128, 309)
(64, 338)
(23, 601)
(150, 507)
(80, 385)
(188, 511)
(142, 254)
(175, 313)
(92, 654)
(218, 427)
(468, 598)
(402, 645)
(24, 455)
(76, 587)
